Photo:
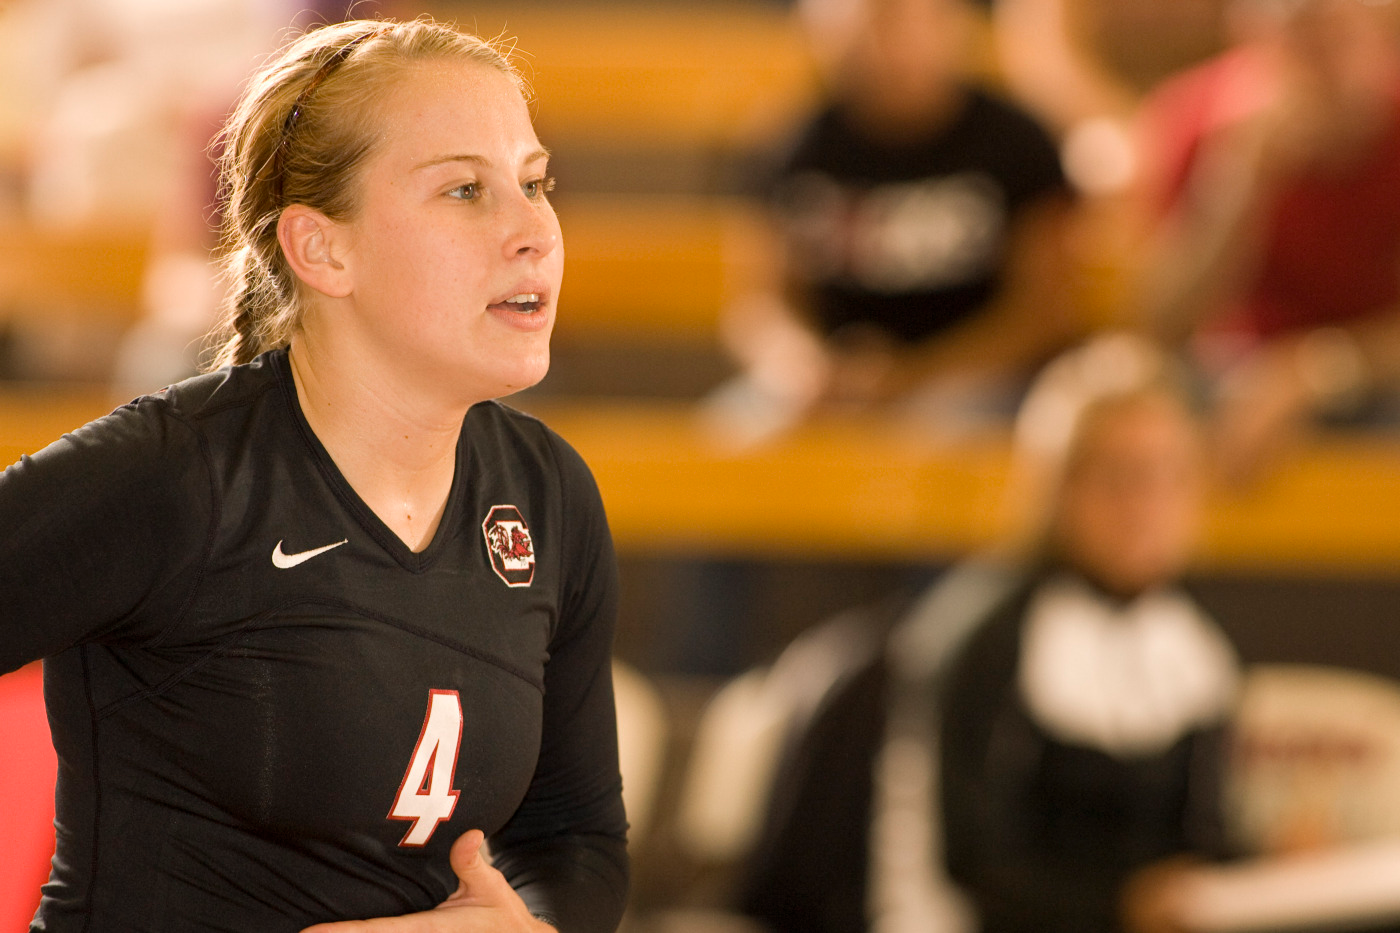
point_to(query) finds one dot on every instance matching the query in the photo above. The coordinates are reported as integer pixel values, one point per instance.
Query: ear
(312, 243)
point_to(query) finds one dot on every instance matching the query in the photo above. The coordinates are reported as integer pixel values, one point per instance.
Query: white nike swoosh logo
(283, 561)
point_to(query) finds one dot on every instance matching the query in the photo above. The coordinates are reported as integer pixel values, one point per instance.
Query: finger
(479, 883)
(466, 852)
(429, 921)
(406, 924)
(465, 856)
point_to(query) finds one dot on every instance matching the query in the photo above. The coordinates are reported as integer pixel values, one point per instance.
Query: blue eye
(538, 187)
(468, 192)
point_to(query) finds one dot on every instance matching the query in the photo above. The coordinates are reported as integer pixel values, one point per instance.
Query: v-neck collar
(413, 561)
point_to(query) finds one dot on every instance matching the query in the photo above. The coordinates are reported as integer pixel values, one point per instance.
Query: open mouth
(524, 303)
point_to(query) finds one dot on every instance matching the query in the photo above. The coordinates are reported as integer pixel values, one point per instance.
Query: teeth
(530, 298)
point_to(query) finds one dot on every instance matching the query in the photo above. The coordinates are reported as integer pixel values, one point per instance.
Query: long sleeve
(98, 529)
(565, 849)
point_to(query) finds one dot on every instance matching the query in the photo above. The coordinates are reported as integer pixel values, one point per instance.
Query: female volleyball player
(316, 615)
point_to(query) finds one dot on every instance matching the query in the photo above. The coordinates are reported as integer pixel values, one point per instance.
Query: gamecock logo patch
(509, 545)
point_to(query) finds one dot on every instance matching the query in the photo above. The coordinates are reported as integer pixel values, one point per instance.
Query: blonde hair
(299, 134)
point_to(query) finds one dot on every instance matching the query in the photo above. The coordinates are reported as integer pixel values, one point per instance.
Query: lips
(524, 298)
(523, 303)
(527, 308)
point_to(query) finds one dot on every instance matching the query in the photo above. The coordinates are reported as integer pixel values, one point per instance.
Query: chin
(527, 377)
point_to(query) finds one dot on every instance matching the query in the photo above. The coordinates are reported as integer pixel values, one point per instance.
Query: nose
(532, 228)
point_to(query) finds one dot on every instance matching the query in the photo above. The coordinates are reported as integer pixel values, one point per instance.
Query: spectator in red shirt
(1273, 176)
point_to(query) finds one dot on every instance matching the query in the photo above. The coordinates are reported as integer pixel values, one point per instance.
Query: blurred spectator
(1274, 180)
(921, 220)
(1083, 721)
(115, 84)
(126, 99)
(1069, 699)
(1083, 66)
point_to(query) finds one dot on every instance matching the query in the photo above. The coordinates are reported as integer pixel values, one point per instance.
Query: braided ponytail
(238, 337)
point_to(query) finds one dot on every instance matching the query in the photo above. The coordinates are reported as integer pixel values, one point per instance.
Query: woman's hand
(484, 902)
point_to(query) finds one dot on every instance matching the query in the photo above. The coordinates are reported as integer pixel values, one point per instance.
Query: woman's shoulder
(159, 442)
(213, 392)
(162, 417)
(506, 441)
(136, 480)
(993, 636)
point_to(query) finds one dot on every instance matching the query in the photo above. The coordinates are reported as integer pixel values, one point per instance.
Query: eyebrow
(535, 156)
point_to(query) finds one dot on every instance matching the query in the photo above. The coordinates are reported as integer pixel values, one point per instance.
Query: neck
(396, 449)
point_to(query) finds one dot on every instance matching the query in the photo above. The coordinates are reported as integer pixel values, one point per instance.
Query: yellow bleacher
(90, 272)
(655, 76)
(867, 489)
(657, 266)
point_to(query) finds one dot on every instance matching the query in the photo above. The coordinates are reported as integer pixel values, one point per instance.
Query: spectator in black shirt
(920, 220)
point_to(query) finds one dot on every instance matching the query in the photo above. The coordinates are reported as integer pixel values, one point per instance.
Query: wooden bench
(654, 76)
(869, 489)
(864, 489)
(87, 272)
(655, 267)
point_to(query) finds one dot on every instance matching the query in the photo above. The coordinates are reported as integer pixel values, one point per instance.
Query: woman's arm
(1271, 397)
(565, 849)
(99, 528)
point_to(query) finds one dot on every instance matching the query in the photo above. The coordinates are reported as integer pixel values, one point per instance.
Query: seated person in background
(1069, 699)
(921, 221)
(1273, 181)
(1082, 723)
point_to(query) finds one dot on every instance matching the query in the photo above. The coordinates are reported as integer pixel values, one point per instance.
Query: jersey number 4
(426, 795)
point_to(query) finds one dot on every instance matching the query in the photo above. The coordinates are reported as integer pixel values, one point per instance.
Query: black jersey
(270, 712)
(910, 237)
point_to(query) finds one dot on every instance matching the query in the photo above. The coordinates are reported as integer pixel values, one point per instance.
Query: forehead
(449, 106)
(1143, 425)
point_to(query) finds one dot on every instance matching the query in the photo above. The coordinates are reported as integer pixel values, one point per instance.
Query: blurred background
(768, 468)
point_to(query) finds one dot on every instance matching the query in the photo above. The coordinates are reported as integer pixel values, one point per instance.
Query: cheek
(1173, 518)
(1106, 524)
(1094, 531)
(385, 255)
(431, 268)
